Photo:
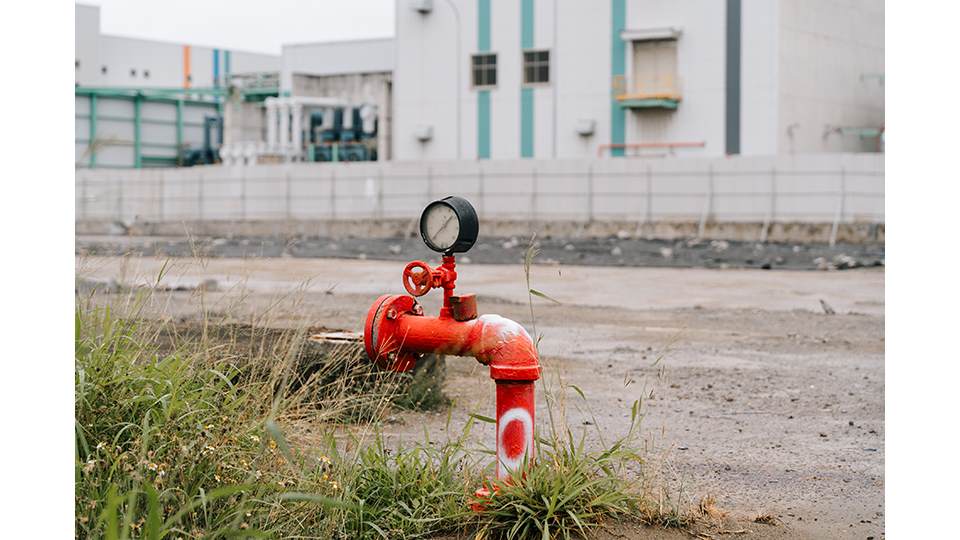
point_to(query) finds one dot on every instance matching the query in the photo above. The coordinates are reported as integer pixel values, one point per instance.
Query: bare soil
(752, 393)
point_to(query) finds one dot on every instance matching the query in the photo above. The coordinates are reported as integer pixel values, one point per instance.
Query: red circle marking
(514, 439)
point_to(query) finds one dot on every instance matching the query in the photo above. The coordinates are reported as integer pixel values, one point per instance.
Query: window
(103, 70)
(133, 73)
(76, 64)
(146, 74)
(655, 68)
(484, 70)
(536, 67)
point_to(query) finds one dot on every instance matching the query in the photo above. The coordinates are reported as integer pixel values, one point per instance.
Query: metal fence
(806, 189)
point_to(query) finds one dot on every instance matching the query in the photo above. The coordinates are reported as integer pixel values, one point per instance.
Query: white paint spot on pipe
(505, 328)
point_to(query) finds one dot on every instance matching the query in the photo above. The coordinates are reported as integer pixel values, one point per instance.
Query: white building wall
(505, 98)
(543, 95)
(830, 56)
(760, 78)
(336, 58)
(581, 69)
(425, 81)
(86, 42)
(580, 77)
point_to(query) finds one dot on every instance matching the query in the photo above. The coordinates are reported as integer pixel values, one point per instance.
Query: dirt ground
(759, 397)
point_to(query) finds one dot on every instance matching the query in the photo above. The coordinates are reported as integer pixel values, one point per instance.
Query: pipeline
(397, 334)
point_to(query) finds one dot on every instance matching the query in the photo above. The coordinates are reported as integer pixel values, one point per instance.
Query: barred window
(536, 67)
(484, 70)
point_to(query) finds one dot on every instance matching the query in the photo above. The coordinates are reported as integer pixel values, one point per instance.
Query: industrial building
(123, 62)
(142, 103)
(478, 79)
(511, 79)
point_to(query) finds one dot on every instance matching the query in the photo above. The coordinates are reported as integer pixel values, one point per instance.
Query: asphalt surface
(613, 251)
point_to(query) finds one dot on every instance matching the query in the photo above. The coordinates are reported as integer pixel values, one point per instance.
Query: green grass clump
(166, 444)
(405, 493)
(568, 491)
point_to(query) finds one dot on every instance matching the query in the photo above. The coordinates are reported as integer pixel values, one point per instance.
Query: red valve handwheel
(420, 283)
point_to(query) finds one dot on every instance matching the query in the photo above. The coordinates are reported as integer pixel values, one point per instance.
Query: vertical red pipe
(515, 425)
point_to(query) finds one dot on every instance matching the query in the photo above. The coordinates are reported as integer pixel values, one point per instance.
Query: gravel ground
(752, 392)
(612, 251)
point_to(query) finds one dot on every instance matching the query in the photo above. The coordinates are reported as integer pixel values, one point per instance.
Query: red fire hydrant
(397, 333)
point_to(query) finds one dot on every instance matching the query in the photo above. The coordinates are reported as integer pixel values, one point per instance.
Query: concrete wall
(847, 188)
(141, 63)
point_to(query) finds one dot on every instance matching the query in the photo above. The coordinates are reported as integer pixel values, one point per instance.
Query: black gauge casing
(469, 224)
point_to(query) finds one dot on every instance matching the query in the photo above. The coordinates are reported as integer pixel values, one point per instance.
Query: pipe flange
(379, 332)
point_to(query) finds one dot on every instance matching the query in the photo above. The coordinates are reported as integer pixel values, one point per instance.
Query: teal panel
(483, 124)
(136, 133)
(216, 68)
(526, 24)
(93, 131)
(652, 103)
(483, 96)
(618, 61)
(483, 25)
(526, 94)
(526, 122)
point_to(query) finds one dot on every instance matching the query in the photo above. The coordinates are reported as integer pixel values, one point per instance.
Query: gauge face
(449, 225)
(440, 227)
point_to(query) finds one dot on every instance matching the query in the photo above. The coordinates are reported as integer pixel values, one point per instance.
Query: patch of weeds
(175, 444)
(568, 491)
(406, 492)
(330, 371)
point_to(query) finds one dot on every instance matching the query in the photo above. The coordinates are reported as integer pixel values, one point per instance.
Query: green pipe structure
(213, 98)
(91, 145)
(137, 125)
(179, 131)
(189, 95)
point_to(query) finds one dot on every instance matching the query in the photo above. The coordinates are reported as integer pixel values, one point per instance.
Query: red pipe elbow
(505, 346)
(397, 332)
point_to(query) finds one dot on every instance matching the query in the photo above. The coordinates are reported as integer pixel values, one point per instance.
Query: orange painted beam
(186, 66)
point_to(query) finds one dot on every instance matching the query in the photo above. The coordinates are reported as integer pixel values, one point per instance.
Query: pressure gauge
(449, 225)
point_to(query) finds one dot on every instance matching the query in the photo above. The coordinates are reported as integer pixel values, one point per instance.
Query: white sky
(253, 25)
